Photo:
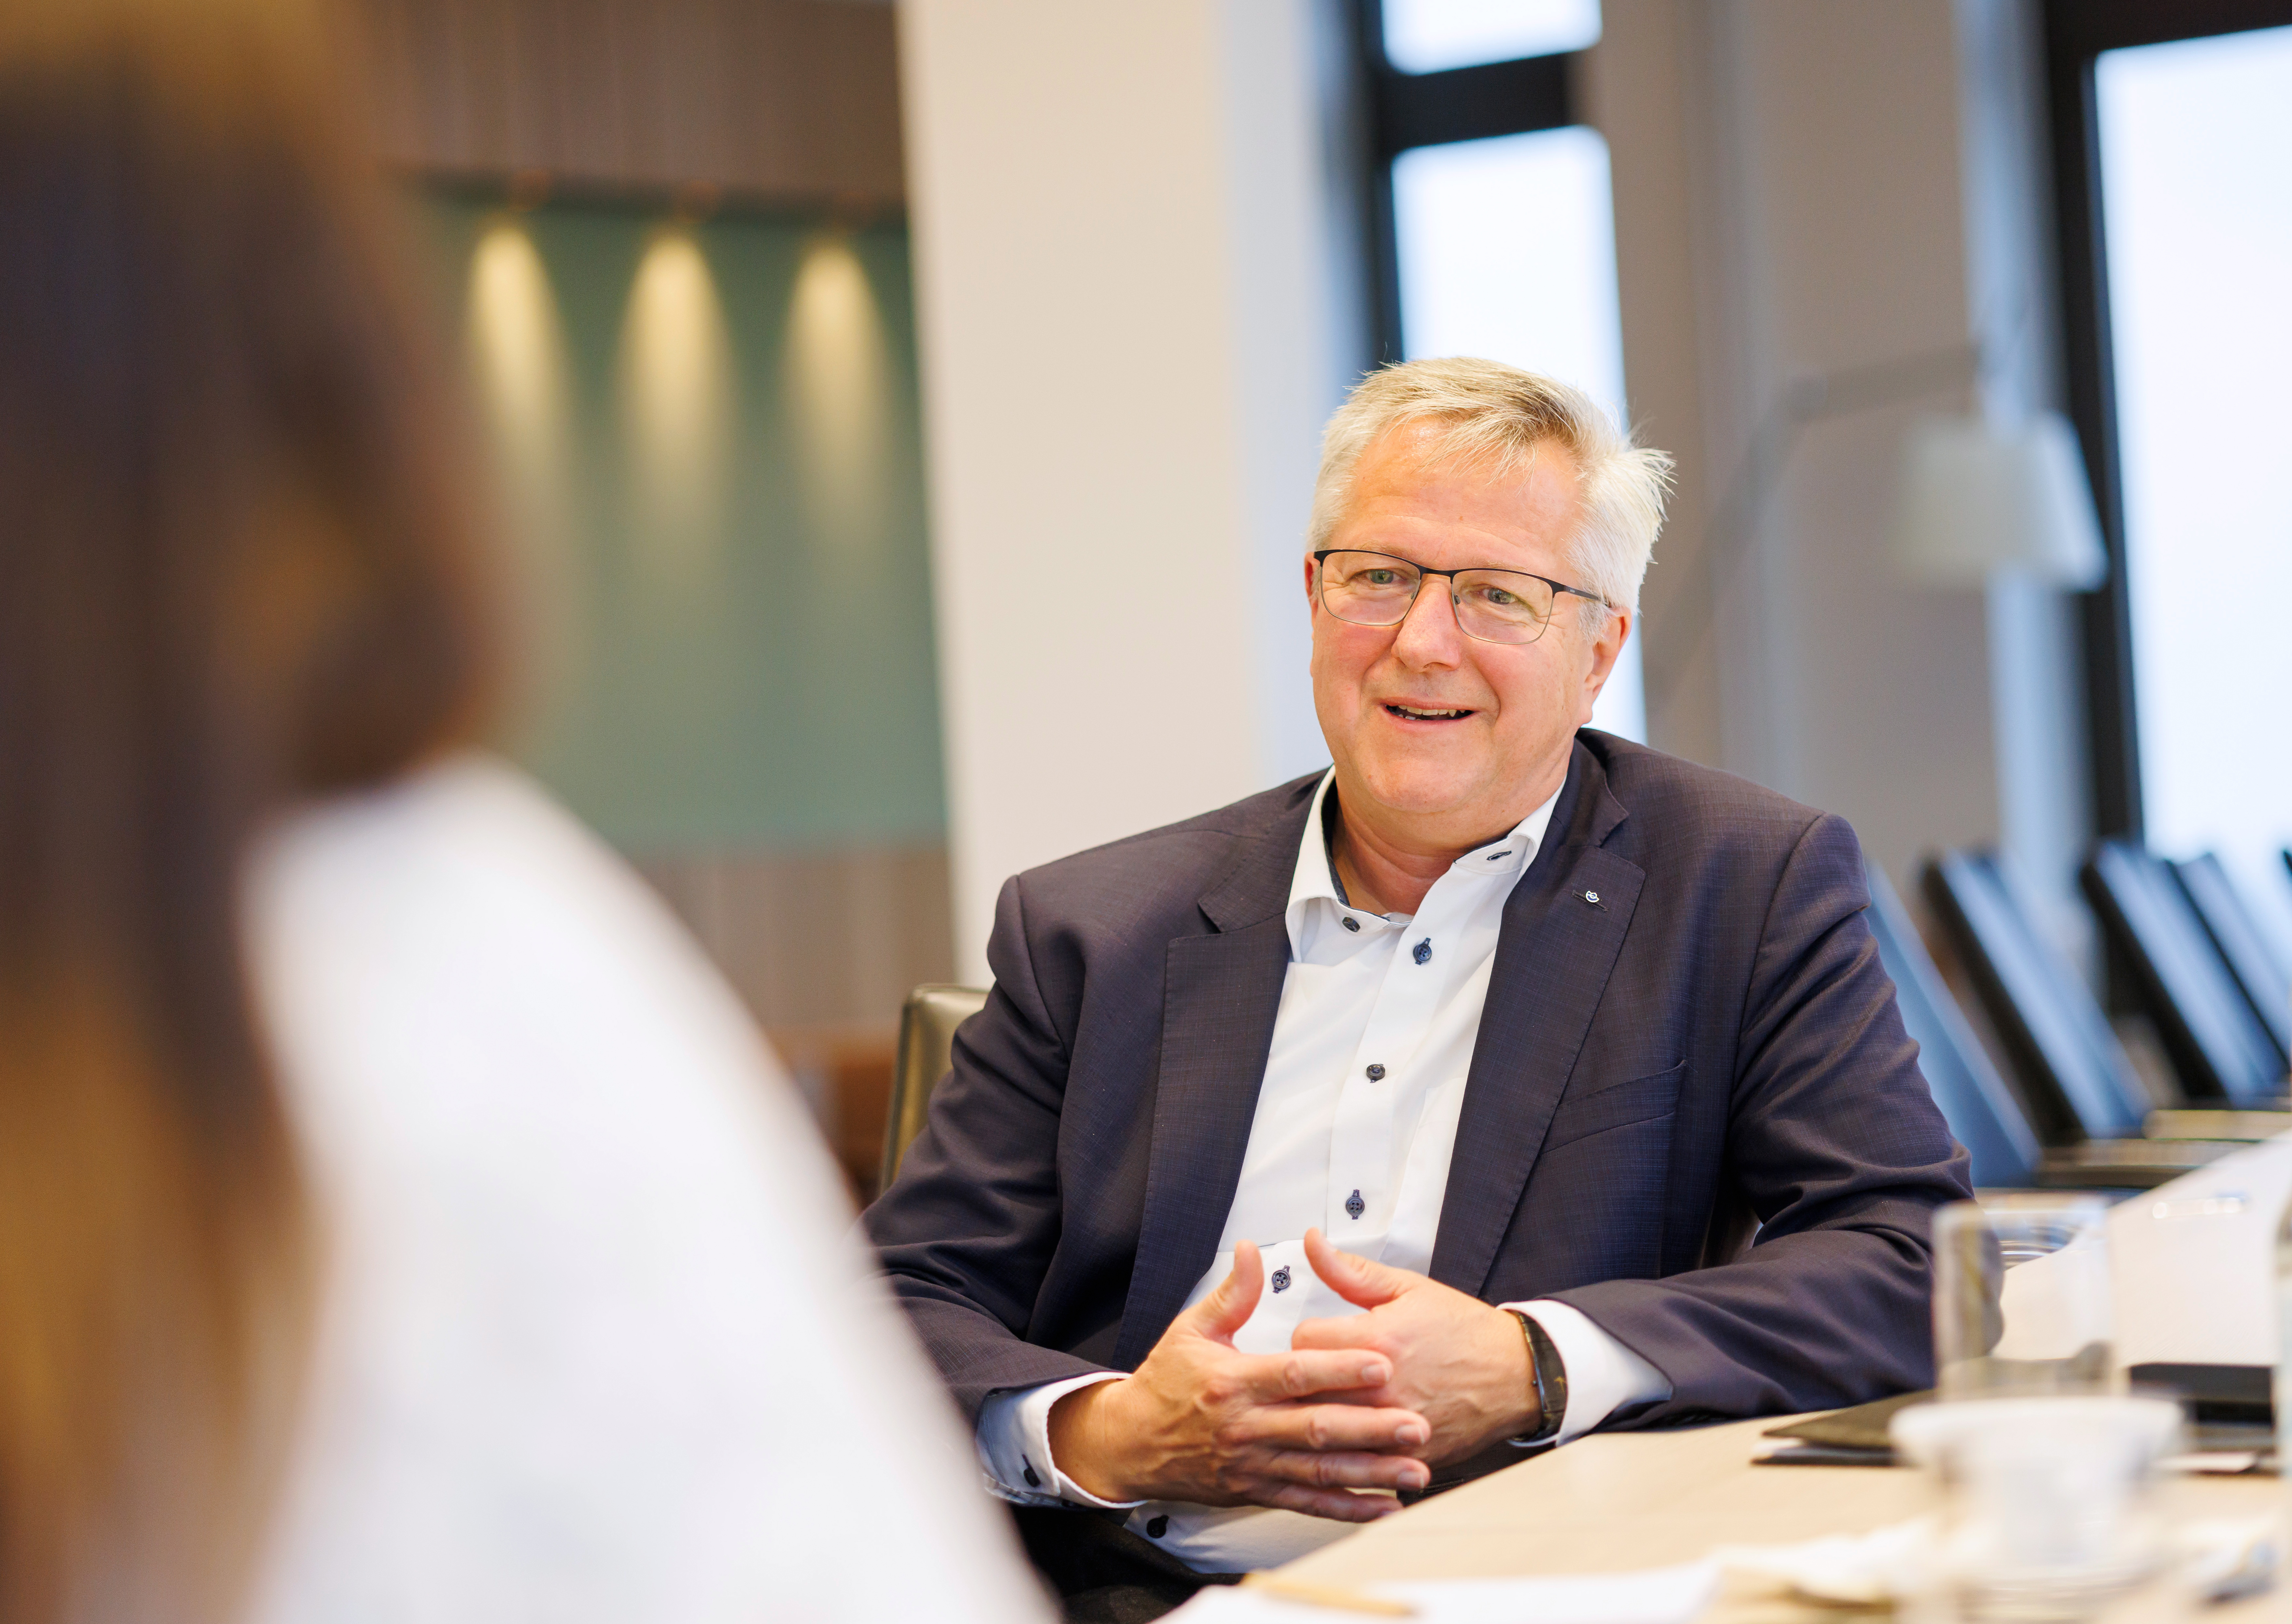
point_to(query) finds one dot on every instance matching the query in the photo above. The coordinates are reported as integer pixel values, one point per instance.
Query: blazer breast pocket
(1613, 1105)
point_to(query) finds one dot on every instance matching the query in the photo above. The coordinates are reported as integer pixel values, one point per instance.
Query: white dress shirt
(1356, 1120)
(595, 1342)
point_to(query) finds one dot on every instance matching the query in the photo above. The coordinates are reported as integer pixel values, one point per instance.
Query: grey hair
(1486, 414)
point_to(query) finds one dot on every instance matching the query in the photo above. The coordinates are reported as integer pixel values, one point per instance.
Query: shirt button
(1033, 1481)
(1422, 952)
(1354, 1205)
(1352, 924)
(1376, 1074)
(1156, 1527)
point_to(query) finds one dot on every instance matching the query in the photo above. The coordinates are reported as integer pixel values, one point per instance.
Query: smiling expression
(1446, 741)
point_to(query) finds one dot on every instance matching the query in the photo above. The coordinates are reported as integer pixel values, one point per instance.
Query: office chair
(2075, 1076)
(2079, 1091)
(1982, 1112)
(2259, 973)
(927, 1023)
(2216, 1042)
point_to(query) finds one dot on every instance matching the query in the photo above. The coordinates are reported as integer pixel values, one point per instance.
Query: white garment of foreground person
(595, 1343)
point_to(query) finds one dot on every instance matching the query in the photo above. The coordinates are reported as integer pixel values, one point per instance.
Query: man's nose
(1429, 635)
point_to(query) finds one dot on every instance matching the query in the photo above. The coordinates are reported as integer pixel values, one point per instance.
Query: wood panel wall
(793, 101)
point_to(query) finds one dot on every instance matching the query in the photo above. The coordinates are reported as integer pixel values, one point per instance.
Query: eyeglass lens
(1493, 605)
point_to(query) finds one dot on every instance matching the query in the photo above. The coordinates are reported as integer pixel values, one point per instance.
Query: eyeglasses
(1492, 605)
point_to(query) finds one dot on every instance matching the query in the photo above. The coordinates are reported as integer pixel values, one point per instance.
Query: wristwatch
(1548, 1375)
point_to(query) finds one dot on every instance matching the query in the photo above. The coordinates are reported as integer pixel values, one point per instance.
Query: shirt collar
(1314, 878)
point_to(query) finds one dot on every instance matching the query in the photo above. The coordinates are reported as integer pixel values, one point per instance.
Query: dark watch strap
(1548, 1375)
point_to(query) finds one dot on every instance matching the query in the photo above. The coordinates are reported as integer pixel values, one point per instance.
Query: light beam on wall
(517, 349)
(677, 405)
(839, 388)
(518, 358)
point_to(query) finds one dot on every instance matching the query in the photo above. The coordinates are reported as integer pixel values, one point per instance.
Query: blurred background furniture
(2260, 974)
(2218, 1046)
(927, 1023)
(2078, 1088)
(1982, 1112)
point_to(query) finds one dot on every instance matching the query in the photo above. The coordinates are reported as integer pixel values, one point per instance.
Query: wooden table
(1617, 1501)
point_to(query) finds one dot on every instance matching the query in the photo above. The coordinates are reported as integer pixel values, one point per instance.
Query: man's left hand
(1457, 1361)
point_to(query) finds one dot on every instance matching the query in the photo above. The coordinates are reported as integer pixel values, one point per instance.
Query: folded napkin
(1656, 1595)
(2217, 1560)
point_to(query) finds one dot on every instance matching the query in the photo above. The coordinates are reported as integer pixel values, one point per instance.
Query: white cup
(2048, 1512)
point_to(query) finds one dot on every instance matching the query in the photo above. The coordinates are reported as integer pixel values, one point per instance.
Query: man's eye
(1497, 597)
(1379, 578)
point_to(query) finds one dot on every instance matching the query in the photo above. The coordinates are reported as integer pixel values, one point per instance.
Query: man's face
(1442, 738)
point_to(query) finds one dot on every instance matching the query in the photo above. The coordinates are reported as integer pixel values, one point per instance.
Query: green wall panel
(717, 484)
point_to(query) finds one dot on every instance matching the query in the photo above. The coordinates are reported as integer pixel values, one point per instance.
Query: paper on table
(1657, 1595)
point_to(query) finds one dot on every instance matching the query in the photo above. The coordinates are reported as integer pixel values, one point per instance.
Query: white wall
(1130, 335)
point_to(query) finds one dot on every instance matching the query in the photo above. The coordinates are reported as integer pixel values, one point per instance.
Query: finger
(1355, 1330)
(1362, 1281)
(1230, 1303)
(1315, 1470)
(1301, 1373)
(1337, 1504)
(1329, 1428)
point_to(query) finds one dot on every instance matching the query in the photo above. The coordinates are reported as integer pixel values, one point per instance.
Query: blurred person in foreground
(1505, 1080)
(397, 1218)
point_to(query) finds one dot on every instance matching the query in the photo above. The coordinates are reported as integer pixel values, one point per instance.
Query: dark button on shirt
(1352, 924)
(1376, 1074)
(1157, 1527)
(1422, 952)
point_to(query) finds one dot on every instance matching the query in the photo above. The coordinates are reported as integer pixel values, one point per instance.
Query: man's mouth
(1417, 713)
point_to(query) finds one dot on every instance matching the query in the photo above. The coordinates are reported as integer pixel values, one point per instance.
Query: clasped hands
(1368, 1403)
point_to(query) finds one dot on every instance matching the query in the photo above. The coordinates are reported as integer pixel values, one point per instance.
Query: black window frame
(1407, 110)
(2075, 33)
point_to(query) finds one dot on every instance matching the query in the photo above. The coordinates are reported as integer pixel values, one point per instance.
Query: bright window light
(2196, 147)
(1428, 36)
(1507, 250)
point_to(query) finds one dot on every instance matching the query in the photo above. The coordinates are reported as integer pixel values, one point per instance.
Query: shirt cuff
(1603, 1375)
(1014, 1440)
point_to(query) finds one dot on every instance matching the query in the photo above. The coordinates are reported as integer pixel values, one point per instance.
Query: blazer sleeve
(967, 1230)
(1836, 1147)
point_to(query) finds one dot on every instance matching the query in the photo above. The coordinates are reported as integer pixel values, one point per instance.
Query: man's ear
(1310, 568)
(1615, 627)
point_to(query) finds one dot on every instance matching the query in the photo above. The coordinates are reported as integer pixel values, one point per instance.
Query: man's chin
(1422, 789)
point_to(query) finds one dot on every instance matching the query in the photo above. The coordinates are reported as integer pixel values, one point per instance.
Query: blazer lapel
(1221, 994)
(1554, 956)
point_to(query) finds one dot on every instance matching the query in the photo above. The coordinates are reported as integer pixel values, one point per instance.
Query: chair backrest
(1982, 1112)
(2217, 1044)
(2075, 1077)
(927, 1023)
(2251, 958)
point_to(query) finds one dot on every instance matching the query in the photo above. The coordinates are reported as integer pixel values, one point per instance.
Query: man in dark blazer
(1673, 1152)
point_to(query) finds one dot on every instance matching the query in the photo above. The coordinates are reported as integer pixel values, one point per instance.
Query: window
(2185, 186)
(1429, 35)
(1501, 236)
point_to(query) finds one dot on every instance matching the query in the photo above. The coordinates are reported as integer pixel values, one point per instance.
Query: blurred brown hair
(235, 572)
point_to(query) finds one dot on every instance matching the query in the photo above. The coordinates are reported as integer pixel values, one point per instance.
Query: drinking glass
(2021, 1300)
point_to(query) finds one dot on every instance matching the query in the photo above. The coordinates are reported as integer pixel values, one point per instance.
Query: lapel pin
(1593, 897)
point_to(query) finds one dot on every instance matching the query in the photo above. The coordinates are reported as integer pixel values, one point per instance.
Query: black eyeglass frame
(1319, 584)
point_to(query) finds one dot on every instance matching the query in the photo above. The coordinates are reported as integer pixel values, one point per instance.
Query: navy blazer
(1691, 1112)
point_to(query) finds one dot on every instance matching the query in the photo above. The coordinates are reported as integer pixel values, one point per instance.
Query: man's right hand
(1201, 1421)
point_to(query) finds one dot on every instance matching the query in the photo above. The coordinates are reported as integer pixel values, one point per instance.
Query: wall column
(1131, 329)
